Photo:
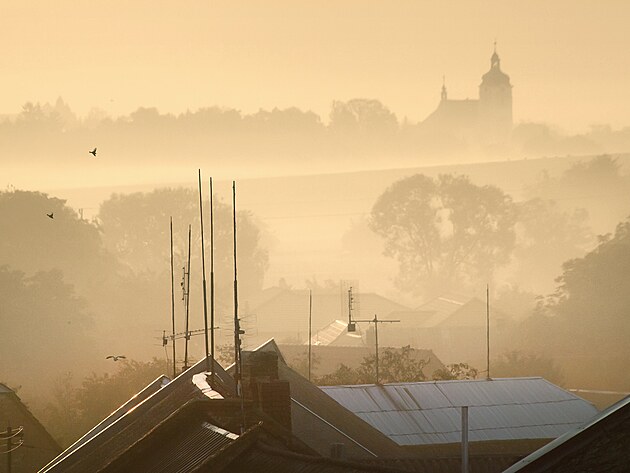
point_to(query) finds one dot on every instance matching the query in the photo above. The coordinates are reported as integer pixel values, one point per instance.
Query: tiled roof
(499, 409)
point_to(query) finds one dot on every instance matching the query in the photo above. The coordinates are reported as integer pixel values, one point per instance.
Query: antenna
(375, 321)
(310, 320)
(203, 269)
(238, 361)
(488, 331)
(212, 281)
(187, 296)
(173, 300)
(351, 326)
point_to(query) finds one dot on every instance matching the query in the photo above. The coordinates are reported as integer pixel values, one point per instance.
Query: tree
(593, 295)
(364, 116)
(40, 317)
(73, 410)
(516, 364)
(456, 371)
(136, 229)
(596, 185)
(547, 236)
(444, 230)
(396, 365)
(33, 242)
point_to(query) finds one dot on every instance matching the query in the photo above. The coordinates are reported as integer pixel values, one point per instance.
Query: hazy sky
(567, 60)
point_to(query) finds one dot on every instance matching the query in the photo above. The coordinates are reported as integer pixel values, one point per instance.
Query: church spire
(444, 95)
(495, 61)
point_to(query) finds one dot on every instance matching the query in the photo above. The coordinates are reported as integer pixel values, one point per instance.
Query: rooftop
(499, 409)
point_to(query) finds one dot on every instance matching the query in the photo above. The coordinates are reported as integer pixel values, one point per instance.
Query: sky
(567, 59)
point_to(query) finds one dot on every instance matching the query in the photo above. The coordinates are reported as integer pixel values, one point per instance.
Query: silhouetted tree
(31, 241)
(547, 236)
(444, 230)
(396, 365)
(516, 364)
(73, 410)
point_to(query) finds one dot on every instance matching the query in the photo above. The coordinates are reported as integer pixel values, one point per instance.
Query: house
(515, 415)
(600, 444)
(321, 422)
(136, 418)
(285, 315)
(32, 446)
(452, 325)
(190, 425)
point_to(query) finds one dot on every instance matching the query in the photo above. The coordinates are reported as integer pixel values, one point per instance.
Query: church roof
(454, 115)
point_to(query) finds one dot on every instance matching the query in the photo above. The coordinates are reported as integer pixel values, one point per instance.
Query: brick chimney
(262, 386)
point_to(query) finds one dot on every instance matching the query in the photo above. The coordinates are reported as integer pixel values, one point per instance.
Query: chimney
(262, 386)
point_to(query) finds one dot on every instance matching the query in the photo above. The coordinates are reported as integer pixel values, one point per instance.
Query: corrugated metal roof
(500, 409)
(329, 334)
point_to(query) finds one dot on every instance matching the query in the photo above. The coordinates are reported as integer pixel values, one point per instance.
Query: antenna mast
(238, 361)
(310, 339)
(173, 300)
(187, 300)
(203, 269)
(212, 282)
(488, 327)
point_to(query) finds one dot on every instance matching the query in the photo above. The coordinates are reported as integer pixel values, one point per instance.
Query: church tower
(495, 104)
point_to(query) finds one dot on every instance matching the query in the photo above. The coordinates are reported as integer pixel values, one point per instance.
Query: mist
(373, 154)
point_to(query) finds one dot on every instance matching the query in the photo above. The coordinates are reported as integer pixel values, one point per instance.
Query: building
(601, 444)
(453, 325)
(485, 121)
(285, 315)
(31, 445)
(513, 415)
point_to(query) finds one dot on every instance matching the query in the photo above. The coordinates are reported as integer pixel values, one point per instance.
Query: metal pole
(376, 345)
(237, 326)
(464, 439)
(212, 281)
(187, 337)
(310, 321)
(203, 269)
(488, 331)
(173, 301)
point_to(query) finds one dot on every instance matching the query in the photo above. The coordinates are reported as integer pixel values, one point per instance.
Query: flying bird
(93, 152)
(50, 215)
(116, 357)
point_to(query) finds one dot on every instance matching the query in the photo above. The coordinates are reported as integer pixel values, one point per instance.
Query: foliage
(547, 236)
(516, 364)
(136, 229)
(593, 295)
(444, 230)
(31, 241)
(300, 363)
(395, 365)
(40, 316)
(456, 371)
(76, 409)
(596, 185)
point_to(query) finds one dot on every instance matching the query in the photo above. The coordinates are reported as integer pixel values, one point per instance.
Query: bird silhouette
(116, 357)
(51, 215)
(93, 152)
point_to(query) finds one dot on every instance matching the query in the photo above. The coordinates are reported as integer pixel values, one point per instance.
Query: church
(486, 121)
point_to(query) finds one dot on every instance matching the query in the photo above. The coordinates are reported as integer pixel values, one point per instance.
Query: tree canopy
(444, 230)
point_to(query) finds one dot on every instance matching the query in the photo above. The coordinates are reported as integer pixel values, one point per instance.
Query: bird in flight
(93, 152)
(116, 357)
(51, 215)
